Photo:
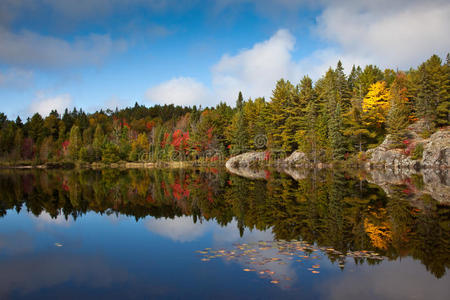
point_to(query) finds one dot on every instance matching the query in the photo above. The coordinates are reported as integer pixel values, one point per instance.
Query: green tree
(398, 116)
(429, 92)
(238, 129)
(111, 153)
(18, 141)
(98, 142)
(443, 108)
(75, 142)
(335, 133)
(278, 111)
(36, 128)
(355, 130)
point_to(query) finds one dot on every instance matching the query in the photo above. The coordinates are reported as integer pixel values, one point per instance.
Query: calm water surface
(203, 234)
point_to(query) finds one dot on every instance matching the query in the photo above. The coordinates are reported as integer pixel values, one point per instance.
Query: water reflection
(340, 210)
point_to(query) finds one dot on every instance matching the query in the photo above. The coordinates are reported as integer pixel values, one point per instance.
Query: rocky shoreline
(385, 166)
(435, 153)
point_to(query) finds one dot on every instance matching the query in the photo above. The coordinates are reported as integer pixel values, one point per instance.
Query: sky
(94, 54)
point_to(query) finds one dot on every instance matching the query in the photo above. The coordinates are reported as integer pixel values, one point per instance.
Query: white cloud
(179, 91)
(34, 50)
(44, 105)
(388, 33)
(255, 71)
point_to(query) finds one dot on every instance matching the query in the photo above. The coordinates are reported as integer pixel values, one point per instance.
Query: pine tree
(311, 138)
(278, 112)
(74, 142)
(254, 116)
(336, 137)
(307, 135)
(355, 128)
(398, 116)
(240, 102)
(344, 92)
(429, 90)
(98, 143)
(367, 77)
(443, 108)
(238, 128)
(36, 128)
(18, 141)
(333, 114)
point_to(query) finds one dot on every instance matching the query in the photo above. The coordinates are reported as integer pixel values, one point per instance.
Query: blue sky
(106, 53)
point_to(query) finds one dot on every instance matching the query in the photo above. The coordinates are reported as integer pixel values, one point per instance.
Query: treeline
(336, 117)
(328, 208)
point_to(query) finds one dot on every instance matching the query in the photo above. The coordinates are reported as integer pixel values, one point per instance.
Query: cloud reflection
(405, 279)
(179, 229)
(30, 274)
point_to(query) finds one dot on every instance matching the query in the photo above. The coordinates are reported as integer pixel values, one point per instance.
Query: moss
(417, 152)
(417, 180)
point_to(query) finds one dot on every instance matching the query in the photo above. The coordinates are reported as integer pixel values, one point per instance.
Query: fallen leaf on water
(275, 281)
(315, 272)
(205, 259)
(316, 266)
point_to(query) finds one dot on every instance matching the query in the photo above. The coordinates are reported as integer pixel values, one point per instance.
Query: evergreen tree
(18, 141)
(398, 116)
(355, 129)
(278, 112)
(429, 90)
(237, 130)
(36, 128)
(336, 137)
(342, 86)
(74, 142)
(254, 116)
(333, 114)
(308, 135)
(240, 102)
(18, 122)
(443, 108)
(98, 142)
(367, 77)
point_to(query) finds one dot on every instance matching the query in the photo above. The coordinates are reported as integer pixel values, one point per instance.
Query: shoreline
(118, 165)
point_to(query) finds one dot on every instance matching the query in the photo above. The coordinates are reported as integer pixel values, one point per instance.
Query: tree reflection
(328, 208)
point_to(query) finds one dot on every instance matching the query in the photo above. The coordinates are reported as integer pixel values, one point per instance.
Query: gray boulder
(436, 150)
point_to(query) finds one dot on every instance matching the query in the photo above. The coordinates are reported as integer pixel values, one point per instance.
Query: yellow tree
(376, 104)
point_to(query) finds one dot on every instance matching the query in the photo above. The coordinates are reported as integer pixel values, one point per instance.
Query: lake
(204, 233)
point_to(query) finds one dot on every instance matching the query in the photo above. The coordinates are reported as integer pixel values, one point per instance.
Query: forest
(335, 118)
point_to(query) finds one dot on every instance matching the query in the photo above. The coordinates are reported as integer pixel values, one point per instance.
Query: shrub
(417, 152)
(111, 153)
